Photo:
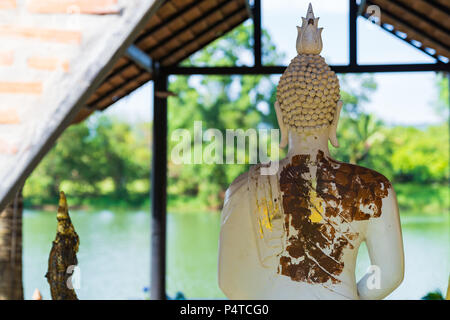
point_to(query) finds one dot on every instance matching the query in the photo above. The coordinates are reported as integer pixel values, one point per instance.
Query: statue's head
(308, 91)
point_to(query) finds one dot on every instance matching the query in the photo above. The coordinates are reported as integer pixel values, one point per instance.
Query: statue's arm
(237, 272)
(385, 246)
(239, 185)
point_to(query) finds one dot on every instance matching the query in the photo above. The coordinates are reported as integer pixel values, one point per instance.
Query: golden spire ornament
(308, 90)
(63, 255)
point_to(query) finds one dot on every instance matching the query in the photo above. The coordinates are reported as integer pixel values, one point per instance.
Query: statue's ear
(282, 125)
(332, 133)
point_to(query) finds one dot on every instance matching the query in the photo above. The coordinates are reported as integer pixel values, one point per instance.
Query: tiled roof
(423, 23)
(176, 31)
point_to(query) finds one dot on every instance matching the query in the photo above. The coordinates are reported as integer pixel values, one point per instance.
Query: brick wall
(42, 41)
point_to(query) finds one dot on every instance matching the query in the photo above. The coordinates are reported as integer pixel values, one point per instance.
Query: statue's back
(310, 218)
(323, 211)
(296, 234)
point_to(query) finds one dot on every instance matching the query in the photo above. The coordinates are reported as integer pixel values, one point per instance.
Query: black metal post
(158, 191)
(353, 37)
(257, 51)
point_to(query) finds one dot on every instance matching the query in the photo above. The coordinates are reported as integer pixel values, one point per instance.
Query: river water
(114, 254)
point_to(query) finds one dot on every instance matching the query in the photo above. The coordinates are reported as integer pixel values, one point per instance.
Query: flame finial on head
(309, 39)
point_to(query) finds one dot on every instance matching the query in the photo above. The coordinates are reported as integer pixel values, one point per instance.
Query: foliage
(434, 295)
(220, 102)
(419, 198)
(420, 155)
(442, 105)
(103, 156)
(355, 91)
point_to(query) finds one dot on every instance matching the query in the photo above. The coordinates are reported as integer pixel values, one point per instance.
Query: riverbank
(175, 204)
(430, 199)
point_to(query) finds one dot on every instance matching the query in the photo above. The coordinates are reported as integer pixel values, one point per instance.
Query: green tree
(221, 102)
(355, 92)
(70, 159)
(124, 157)
(95, 158)
(421, 155)
(363, 138)
(442, 104)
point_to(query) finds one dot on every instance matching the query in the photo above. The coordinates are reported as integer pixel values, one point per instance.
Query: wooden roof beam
(121, 86)
(420, 16)
(435, 44)
(189, 26)
(230, 16)
(169, 38)
(410, 26)
(438, 6)
(158, 27)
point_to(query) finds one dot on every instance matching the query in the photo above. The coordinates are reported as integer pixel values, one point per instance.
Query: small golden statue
(63, 255)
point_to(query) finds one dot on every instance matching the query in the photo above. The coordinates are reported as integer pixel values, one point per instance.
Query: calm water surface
(114, 254)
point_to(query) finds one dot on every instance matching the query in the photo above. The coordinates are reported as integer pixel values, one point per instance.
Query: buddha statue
(296, 234)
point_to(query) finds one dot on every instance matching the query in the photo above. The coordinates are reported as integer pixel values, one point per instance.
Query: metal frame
(257, 37)
(159, 156)
(353, 35)
(280, 69)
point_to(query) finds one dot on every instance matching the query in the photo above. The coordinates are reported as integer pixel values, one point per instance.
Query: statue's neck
(308, 143)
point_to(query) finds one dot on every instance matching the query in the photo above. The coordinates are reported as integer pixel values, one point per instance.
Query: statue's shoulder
(238, 186)
(363, 176)
(254, 174)
(238, 182)
(371, 175)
